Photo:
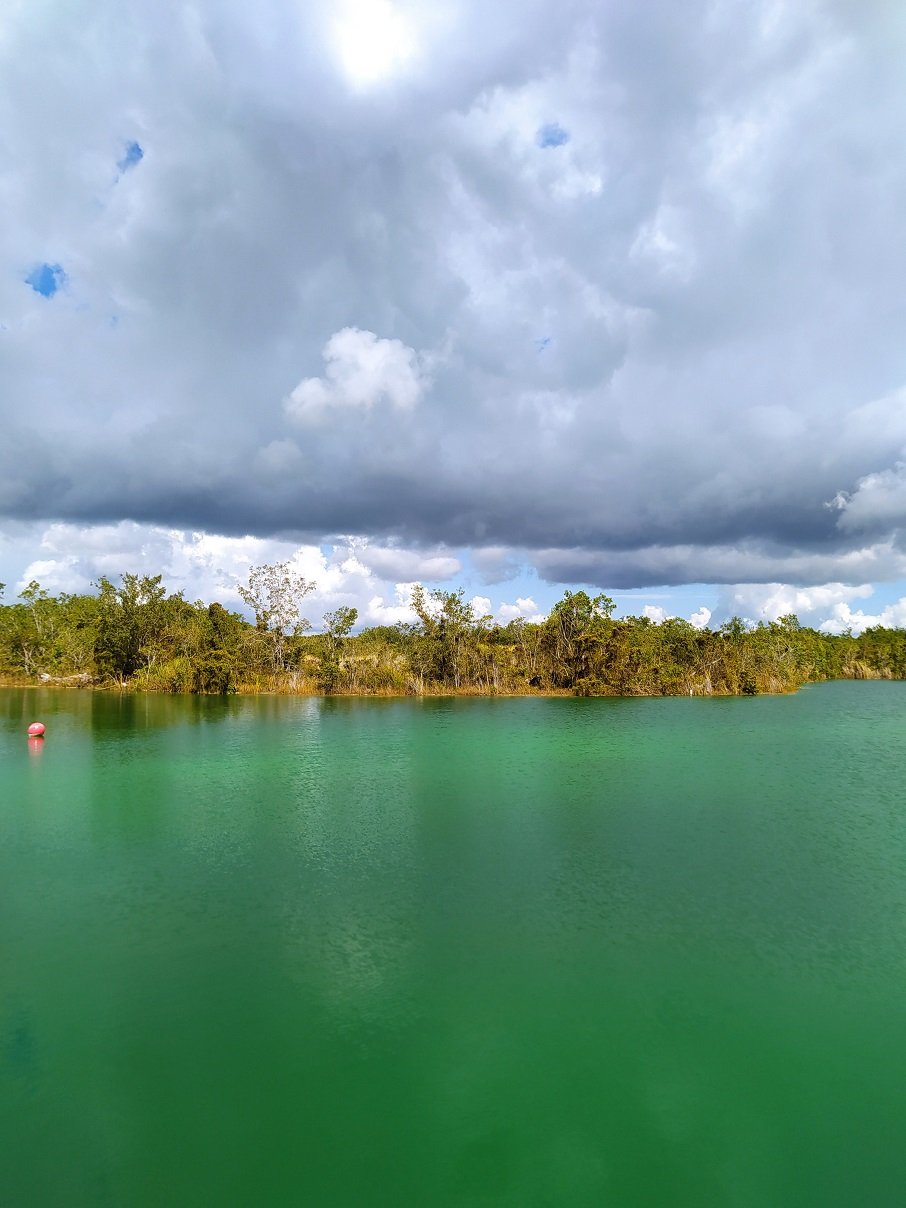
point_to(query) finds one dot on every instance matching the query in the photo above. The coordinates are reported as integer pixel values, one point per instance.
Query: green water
(454, 952)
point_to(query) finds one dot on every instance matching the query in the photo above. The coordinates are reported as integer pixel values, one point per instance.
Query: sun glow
(375, 41)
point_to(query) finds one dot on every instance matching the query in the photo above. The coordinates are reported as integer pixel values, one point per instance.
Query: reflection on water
(452, 952)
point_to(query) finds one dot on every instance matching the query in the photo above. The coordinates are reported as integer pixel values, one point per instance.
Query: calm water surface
(454, 952)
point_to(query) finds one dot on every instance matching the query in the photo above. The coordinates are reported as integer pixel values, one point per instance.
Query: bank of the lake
(137, 637)
(306, 688)
(453, 951)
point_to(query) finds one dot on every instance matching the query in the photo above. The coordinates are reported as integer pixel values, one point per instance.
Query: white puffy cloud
(700, 617)
(524, 607)
(842, 618)
(201, 565)
(393, 610)
(480, 606)
(769, 601)
(655, 613)
(208, 566)
(361, 370)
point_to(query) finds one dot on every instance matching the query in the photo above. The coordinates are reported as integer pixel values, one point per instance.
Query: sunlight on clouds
(481, 607)
(201, 564)
(374, 41)
(655, 613)
(700, 617)
(377, 612)
(376, 579)
(770, 601)
(842, 617)
(360, 371)
(524, 608)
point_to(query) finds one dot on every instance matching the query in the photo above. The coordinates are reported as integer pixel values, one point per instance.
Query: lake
(519, 952)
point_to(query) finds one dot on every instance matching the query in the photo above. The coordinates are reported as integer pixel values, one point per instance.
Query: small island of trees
(136, 636)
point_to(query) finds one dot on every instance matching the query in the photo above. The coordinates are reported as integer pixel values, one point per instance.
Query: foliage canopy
(136, 635)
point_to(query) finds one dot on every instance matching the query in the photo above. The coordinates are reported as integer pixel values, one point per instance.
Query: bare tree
(275, 593)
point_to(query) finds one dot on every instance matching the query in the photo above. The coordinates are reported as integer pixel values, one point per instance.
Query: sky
(512, 297)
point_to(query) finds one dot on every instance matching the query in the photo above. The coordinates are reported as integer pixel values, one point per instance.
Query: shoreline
(446, 694)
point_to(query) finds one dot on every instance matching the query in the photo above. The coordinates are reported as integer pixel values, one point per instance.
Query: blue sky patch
(134, 154)
(552, 135)
(46, 279)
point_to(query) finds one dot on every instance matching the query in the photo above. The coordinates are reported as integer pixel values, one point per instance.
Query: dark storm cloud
(710, 261)
(748, 562)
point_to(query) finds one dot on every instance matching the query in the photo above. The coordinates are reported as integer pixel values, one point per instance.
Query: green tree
(447, 625)
(575, 632)
(129, 625)
(217, 666)
(337, 627)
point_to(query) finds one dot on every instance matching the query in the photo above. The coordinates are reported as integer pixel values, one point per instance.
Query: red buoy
(36, 730)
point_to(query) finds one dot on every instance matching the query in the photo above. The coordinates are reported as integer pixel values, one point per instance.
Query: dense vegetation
(137, 636)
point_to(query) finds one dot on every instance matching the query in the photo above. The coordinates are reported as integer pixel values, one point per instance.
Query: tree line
(135, 635)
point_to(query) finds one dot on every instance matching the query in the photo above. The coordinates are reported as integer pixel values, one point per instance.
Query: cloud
(481, 606)
(754, 561)
(361, 370)
(843, 618)
(374, 40)
(396, 610)
(525, 607)
(422, 566)
(655, 613)
(352, 573)
(770, 601)
(878, 502)
(663, 246)
(700, 618)
(313, 306)
(495, 563)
